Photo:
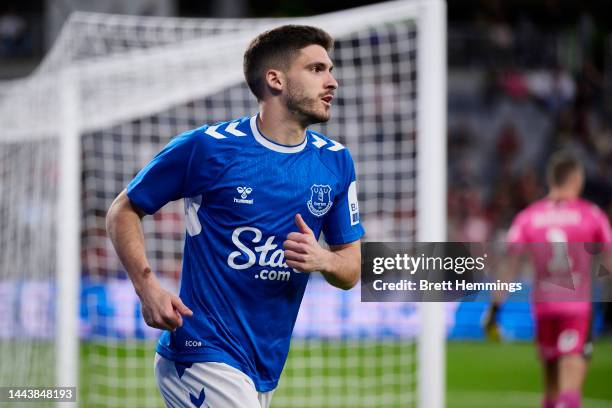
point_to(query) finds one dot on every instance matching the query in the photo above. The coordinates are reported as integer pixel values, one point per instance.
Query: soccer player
(562, 284)
(258, 193)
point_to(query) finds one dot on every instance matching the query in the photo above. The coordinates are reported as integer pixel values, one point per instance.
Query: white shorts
(207, 385)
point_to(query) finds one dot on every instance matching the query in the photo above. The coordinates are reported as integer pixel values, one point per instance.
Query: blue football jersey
(242, 192)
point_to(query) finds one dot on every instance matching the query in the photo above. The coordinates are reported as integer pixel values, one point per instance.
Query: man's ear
(275, 80)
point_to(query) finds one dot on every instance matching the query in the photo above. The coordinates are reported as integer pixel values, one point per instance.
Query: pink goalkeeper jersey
(562, 284)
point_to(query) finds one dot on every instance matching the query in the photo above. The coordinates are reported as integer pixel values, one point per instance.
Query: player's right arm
(604, 236)
(167, 177)
(160, 308)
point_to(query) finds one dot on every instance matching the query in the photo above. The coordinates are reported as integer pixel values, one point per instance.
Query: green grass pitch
(479, 374)
(508, 374)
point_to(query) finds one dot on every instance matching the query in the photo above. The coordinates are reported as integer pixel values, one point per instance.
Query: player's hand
(491, 327)
(162, 309)
(302, 250)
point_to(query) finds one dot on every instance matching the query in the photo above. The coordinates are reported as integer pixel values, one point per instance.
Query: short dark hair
(276, 49)
(560, 166)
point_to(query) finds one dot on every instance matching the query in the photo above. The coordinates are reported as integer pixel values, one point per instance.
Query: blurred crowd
(518, 91)
(15, 34)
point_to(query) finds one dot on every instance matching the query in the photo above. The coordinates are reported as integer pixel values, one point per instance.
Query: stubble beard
(305, 107)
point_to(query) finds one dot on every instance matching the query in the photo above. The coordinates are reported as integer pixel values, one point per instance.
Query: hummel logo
(244, 193)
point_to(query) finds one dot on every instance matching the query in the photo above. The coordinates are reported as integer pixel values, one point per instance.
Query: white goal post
(111, 92)
(432, 192)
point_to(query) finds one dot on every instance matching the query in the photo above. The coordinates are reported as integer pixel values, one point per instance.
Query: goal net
(112, 91)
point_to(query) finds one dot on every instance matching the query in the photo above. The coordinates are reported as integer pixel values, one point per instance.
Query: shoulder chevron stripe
(231, 128)
(337, 146)
(212, 131)
(318, 141)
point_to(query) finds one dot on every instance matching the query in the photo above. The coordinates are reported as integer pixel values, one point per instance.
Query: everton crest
(320, 199)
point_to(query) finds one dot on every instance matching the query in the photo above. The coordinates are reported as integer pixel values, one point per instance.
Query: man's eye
(316, 69)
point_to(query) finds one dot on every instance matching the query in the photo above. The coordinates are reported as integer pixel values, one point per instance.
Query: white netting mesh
(27, 212)
(139, 81)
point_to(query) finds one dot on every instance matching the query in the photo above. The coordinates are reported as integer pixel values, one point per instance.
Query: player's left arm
(340, 265)
(507, 272)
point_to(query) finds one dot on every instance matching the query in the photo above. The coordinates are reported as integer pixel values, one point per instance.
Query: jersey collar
(272, 145)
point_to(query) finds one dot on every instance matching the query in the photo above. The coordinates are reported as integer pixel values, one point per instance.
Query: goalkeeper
(562, 315)
(258, 193)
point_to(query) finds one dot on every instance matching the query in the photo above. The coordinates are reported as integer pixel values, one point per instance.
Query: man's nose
(331, 82)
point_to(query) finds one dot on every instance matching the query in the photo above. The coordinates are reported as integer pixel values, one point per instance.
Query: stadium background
(525, 78)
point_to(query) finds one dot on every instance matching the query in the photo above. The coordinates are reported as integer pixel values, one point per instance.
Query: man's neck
(280, 126)
(562, 195)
